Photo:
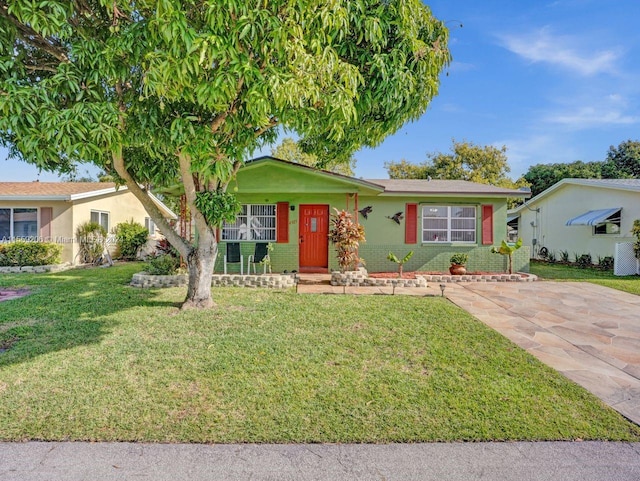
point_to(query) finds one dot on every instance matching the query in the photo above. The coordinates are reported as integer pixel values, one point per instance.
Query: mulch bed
(412, 275)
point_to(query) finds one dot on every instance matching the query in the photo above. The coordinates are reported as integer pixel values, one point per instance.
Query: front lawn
(94, 359)
(563, 272)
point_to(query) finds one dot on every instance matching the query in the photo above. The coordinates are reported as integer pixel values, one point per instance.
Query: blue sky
(554, 81)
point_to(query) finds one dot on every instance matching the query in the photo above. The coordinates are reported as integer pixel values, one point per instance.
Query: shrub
(606, 263)
(564, 256)
(635, 230)
(130, 237)
(92, 238)
(346, 235)
(164, 247)
(551, 256)
(163, 265)
(584, 261)
(20, 253)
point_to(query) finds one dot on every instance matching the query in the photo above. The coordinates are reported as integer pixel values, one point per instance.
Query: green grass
(562, 272)
(98, 360)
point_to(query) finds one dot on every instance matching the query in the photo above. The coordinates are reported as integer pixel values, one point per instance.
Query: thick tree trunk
(201, 261)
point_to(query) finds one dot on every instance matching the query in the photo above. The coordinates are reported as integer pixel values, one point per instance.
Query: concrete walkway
(589, 333)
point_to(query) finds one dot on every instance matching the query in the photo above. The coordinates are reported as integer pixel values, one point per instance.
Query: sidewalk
(582, 461)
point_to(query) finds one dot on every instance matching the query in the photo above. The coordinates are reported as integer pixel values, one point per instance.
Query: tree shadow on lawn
(68, 309)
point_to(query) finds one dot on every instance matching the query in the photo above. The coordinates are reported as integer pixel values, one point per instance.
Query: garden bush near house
(564, 257)
(163, 265)
(635, 230)
(584, 260)
(92, 238)
(346, 234)
(21, 253)
(130, 238)
(606, 263)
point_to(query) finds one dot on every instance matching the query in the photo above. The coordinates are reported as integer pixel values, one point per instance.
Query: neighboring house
(290, 205)
(52, 211)
(580, 216)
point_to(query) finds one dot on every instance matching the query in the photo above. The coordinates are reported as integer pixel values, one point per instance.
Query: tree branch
(190, 191)
(33, 38)
(147, 202)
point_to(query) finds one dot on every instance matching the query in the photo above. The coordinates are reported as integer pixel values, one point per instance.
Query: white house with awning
(580, 216)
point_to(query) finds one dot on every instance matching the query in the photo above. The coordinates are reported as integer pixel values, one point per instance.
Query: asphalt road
(563, 461)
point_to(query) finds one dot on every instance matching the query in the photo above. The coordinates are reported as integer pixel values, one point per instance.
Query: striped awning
(595, 217)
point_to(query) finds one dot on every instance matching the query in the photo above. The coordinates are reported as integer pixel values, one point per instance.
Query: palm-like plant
(392, 257)
(508, 250)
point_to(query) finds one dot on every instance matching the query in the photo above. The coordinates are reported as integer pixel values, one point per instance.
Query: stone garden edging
(361, 278)
(34, 269)
(273, 281)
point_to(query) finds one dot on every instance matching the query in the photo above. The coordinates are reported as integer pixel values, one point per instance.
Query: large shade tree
(168, 91)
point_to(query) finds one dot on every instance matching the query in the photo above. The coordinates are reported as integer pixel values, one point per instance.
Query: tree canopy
(290, 150)
(172, 91)
(466, 161)
(543, 176)
(623, 161)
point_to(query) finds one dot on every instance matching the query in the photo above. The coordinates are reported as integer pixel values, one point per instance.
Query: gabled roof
(66, 192)
(391, 187)
(353, 183)
(445, 187)
(613, 184)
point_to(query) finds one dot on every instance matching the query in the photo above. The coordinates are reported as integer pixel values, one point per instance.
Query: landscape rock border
(272, 281)
(35, 269)
(361, 278)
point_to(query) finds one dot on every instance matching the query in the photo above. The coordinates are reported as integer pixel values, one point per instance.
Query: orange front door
(313, 238)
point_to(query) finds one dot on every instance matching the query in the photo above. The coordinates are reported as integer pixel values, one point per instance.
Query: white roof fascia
(584, 182)
(95, 193)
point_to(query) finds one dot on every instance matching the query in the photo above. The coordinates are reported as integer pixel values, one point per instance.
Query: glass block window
(449, 223)
(256, 222)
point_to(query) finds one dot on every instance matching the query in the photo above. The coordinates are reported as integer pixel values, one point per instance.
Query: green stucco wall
(383, 236)
(271, 182)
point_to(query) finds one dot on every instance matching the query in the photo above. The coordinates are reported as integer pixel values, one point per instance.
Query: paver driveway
(589, 333)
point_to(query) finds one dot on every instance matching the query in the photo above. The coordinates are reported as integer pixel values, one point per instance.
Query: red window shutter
(282, 222)
(46, 216)
(411, 224)
(487, 224)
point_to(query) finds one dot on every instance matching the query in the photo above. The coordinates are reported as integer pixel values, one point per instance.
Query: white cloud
(561, 50)
(536, 149)
(588, 117)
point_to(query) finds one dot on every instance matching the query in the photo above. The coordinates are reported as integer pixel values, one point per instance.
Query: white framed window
(449, 223)
(150, 226)
(100, 217)
(18, 223)
(256, 222)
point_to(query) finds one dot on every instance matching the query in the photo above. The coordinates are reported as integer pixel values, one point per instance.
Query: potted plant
(458, 264)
